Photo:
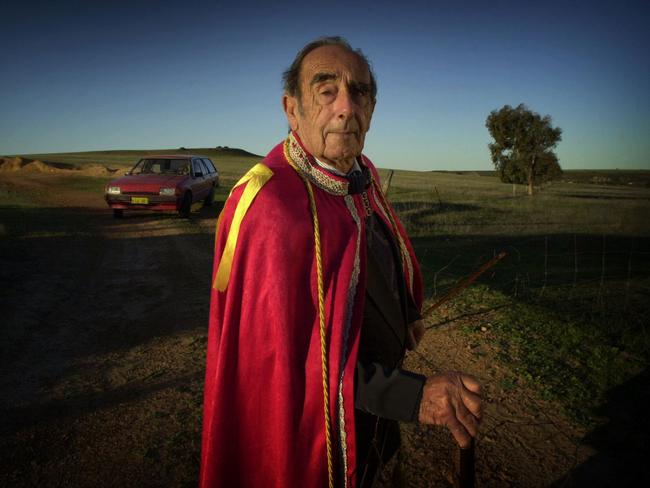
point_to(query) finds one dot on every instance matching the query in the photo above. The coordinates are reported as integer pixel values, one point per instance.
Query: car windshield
(162, 166)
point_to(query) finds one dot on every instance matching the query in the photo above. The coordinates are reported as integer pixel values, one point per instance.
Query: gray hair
(291, 77)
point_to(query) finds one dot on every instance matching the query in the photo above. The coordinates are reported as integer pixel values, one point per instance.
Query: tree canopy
(522, 151)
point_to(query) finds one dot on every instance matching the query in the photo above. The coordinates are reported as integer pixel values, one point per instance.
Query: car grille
(135, 193)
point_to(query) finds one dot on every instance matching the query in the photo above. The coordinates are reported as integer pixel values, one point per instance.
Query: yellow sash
(256, 178)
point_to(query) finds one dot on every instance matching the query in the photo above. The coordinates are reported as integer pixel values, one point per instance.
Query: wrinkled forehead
(336, 61)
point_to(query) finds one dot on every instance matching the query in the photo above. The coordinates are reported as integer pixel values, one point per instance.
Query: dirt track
(103, 354)
(103, 349)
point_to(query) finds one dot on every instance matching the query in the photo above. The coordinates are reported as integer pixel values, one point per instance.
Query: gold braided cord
(323, 334)
(321, 316)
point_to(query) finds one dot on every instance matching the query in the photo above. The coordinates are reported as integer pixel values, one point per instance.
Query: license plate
(140, 200)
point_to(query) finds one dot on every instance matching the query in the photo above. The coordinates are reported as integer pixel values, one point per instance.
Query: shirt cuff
(388, 393)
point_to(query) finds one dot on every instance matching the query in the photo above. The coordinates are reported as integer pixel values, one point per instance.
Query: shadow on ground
(104, 337)
(622, 444)
(102, 345)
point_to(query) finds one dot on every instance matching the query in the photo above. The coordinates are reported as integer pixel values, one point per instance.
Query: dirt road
(103, 343)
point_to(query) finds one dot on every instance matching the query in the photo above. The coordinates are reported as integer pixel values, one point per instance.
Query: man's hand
(452, 399)
(414, 333)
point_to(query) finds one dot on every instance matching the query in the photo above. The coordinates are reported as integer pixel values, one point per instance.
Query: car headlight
(168, 192)
(113, 190)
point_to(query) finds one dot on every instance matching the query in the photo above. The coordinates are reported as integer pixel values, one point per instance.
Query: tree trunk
(531, 176)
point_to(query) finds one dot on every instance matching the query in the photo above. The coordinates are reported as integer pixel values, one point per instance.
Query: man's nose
(344, 104)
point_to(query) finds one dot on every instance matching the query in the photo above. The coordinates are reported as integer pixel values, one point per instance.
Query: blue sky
(133, 75)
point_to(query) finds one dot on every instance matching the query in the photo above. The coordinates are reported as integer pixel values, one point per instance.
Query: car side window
(206, 170)
(209, 165)
(198, 167)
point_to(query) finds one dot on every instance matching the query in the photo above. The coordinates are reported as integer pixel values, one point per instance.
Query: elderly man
(316, 297)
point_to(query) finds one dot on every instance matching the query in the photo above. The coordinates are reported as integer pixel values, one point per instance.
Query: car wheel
(118, 213)
(186, 205)
(210, 198)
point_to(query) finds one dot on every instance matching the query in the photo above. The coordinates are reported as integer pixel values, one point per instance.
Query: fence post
(602, 272)
(545, 264)
(575, 260)
(438, 195)
(602, 265)
(629, 276)
(435, 284)
(516, 282)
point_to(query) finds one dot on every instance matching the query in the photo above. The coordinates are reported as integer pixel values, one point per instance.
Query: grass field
(576, 278)
(572, 292)
(565, 313)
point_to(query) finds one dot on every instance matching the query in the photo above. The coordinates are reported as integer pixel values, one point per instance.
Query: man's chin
(343, 153)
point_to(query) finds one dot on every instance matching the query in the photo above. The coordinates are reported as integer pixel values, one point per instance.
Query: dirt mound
(96, 170)
(16, 164)
(37, 166)
(9, 165)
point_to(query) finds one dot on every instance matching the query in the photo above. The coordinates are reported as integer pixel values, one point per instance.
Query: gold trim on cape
(256, 178)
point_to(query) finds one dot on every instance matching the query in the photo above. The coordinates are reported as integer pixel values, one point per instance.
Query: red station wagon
(164, 183)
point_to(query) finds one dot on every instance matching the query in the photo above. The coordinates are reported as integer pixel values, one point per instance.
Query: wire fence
(605, 264)
(599, 278)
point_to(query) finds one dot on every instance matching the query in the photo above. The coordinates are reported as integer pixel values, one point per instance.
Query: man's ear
(290, 106)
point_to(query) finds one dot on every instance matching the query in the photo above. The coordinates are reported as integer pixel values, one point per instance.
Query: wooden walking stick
(464, 469)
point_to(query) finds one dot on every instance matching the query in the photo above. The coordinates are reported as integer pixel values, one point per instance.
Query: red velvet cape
(263, 422)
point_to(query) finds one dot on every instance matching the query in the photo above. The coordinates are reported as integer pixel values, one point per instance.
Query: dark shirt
(384, 389)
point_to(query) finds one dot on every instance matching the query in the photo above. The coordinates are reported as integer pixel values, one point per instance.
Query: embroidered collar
(318, 175)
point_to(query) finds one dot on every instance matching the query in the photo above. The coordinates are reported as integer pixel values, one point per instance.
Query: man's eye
(327, 95)
(360, 91)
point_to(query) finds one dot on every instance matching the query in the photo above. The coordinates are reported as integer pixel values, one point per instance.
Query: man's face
(334, 111)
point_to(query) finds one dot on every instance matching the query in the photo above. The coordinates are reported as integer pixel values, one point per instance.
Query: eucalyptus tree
(523, 147)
